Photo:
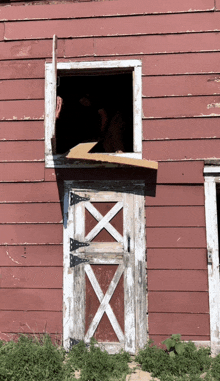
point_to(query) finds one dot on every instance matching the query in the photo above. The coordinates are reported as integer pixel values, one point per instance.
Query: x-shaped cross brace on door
(103, 222)
(104, 303)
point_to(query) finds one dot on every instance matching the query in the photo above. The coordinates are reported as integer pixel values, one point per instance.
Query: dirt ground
(138, 374)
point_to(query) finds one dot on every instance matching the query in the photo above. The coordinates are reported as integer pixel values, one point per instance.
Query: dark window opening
(218, 215)
(95, 107)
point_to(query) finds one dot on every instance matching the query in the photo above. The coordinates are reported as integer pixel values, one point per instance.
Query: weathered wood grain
(177, 280)
(180, 172)
(183, 43)
(184, 63)
(181, 85)
(21, 151)
(181, 302)
(17, 172)
(28, 49)
(29, 192)
(31, 299)
(30, 213)
(177, 259)
(176, 237)
(176, 195)
(190, 128)
(114, 26)
(22, 89)
(31, 234)
(106, 8)
(22, 69)
(21, 110)
(174, 216)
(31, 277)
(175, 107)
(31, 322)
(21, 130)
(31, 255)
(181, 149)
(185, 324)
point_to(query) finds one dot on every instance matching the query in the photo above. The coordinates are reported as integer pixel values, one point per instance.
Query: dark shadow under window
(95, 107)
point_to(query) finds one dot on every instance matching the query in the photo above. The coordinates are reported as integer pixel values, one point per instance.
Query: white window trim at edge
(58, 161)
(212, 176)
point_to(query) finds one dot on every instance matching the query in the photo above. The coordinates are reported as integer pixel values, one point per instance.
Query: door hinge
(75, 198)
(75, 261)
(74, 244)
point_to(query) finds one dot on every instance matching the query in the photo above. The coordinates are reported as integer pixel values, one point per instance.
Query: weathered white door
(104, 293)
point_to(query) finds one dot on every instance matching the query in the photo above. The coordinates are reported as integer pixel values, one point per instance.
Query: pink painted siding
(181, 97)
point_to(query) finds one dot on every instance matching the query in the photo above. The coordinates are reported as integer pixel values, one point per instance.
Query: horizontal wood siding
(179, 45)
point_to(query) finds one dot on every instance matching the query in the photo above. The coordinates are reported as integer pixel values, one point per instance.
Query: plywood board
(81, 151)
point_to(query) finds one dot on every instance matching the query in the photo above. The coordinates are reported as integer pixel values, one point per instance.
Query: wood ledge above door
(81, 152)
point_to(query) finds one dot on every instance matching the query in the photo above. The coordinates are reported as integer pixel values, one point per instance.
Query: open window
(93, 101)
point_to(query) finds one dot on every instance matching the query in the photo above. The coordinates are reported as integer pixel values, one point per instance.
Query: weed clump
(96, 364)
(31, 359)
(179, 362)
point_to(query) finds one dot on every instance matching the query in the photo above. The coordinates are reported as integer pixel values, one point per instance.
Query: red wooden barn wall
(179, 44)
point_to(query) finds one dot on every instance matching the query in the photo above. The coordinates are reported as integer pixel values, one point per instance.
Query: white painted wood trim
(68, 308)
(140, 270)
(213, 264)
(59, 161)
(211, 169)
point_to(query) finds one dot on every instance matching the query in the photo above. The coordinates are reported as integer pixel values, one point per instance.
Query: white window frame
(58, 160)
(212, 177)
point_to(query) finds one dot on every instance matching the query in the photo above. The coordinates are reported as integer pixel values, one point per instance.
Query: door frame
(137, 188)
(212, 177)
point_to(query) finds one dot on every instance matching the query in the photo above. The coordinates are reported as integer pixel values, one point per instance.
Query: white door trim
(212, 256)
(137, 271)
